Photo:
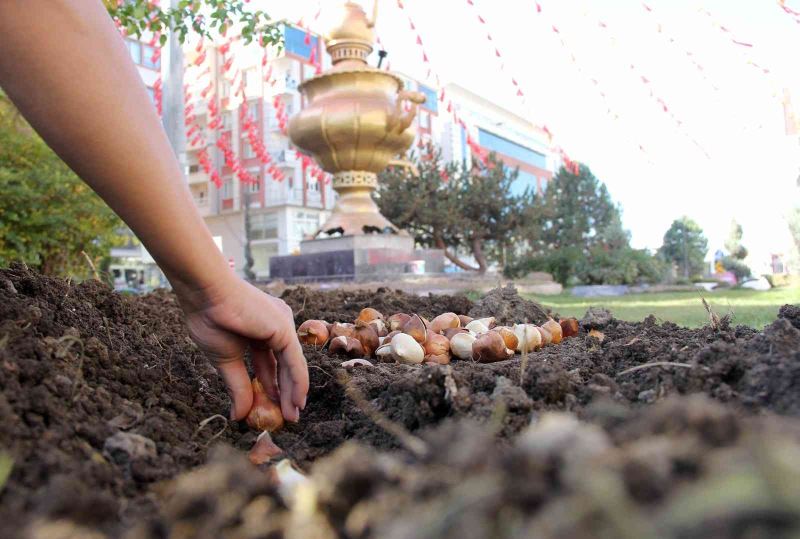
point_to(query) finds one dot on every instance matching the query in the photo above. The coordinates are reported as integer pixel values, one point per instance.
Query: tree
(734, 242)
(794, 227)
(686, 246)
(48, 216)
(453, 206)
(205, 17)
(576, 208)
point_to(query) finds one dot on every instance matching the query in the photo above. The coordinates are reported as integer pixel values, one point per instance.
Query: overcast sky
(730, 157)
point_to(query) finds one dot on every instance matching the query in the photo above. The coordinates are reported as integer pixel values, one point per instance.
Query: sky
(720, 153)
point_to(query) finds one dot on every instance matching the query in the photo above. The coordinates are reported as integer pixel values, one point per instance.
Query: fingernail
(297, 414)
(233, 412)
(303, 407)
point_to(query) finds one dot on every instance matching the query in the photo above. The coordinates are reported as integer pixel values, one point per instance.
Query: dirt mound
(662, 474)
(103, 397)
(508, 307)
(344, 305)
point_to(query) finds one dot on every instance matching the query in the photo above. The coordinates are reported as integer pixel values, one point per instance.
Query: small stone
(124, 447)
(648, 396)
(9, 286)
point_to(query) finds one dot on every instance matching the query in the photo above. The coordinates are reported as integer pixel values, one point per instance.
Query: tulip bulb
(490, 347)
(346, 346)
(416, 328)
(367, 337)
(436, 344)
(263, 450)
(380, 327)
(452, 331)
(265, 414)
(397, 321)
(555, 330)
(313, 332)
(464, 319)
(461, 345)
(441, 359)
(342, 330)
(368, 314)
(528, 336)
(547, 337)
(569, 327)
(445, 321)
(406, 349)
(510, 338)
(489, 322)
(477, 327)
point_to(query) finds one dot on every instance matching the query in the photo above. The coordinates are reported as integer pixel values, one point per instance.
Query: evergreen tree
(686, 246)
(734, 242)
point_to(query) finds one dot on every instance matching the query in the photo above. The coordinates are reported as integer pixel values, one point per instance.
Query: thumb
(235, 376)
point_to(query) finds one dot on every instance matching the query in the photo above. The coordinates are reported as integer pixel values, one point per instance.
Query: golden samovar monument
(357, 120)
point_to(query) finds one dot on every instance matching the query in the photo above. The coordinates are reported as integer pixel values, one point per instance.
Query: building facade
(236, 76)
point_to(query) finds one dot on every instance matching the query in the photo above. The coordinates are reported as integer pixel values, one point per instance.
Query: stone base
(359, 258)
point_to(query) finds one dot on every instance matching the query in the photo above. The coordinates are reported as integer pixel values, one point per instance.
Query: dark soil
(103, 396)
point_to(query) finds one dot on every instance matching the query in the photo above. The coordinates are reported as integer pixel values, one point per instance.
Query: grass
(747, 307)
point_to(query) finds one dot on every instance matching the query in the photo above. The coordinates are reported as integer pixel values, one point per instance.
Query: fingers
(234, 373)
(266, 368)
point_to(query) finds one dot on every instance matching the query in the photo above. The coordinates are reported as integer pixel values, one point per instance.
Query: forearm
(64, 66)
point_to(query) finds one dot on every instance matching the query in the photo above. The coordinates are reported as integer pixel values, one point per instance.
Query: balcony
(197, 176)
(202, 205)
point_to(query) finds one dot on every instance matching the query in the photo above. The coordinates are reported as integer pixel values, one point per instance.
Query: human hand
(227, 319)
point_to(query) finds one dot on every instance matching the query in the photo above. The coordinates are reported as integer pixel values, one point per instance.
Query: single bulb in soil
(313, 332)
(464, 319)
(510, 338)
(368, 314)
(397, 321)
(529, 338)
(265, 415)
(406, 349)
(368, 338)
(569, 327)
(490, 347)
(380, 327)
(416, 328)
(342, 330)
(477, 327)
(346, 346)
(461, 345)
(437, 345)
(547, 337)
(445, 321)
(263, 450)
(452, 331)
(489, 322)
(555, 330)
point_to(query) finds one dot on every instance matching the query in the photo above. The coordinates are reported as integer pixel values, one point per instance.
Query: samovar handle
(403, 118)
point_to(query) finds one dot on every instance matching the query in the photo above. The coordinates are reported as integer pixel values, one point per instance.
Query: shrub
(737, 267)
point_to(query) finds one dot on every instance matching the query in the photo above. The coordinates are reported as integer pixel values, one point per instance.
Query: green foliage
(47, 215)
(686, 246)
(622, 265)
(736, 266)
(454, 206)
(794, 227)
(202, 16)
(561, 263)
(734, 242)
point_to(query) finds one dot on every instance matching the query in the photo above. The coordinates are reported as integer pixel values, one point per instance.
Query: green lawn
(746, 307)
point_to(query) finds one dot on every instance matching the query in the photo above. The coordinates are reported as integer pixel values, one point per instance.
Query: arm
(65, 67)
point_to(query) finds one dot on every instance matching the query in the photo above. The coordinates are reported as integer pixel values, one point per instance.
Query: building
(517, 142)
(283, 213)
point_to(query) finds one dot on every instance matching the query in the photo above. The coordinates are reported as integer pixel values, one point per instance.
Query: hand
(227, 319)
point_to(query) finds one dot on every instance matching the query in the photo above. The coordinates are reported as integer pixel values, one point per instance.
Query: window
(226, 88)
(194, 169)
(295, 41)
(501, 145)
(254, 187)
(525, 180)
(135, 49)
(152, 93)
(431, 99)
(264, 226)
(147, 57)
(251, 81)
(424, 120)
(247, 151)
(261, 255)
(305, 224)
(227, 188)
(227, 121)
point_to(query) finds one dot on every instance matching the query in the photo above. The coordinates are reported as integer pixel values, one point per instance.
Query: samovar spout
(403, 116)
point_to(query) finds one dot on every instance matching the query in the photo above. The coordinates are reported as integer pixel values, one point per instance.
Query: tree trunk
(439, 242)
(480, 257)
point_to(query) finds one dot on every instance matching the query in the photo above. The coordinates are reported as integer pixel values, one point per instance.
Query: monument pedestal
(363, 257)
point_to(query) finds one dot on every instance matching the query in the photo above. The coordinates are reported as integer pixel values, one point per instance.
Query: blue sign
(295, 42)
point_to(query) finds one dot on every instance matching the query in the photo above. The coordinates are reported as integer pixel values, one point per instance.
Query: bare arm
(65, 67)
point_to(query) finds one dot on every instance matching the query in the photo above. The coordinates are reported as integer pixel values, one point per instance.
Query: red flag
(419, 40)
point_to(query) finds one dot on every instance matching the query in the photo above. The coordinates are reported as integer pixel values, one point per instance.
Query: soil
(109, 413)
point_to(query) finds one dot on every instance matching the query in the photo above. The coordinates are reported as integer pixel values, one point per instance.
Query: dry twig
(655, 364)
(91, 265)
